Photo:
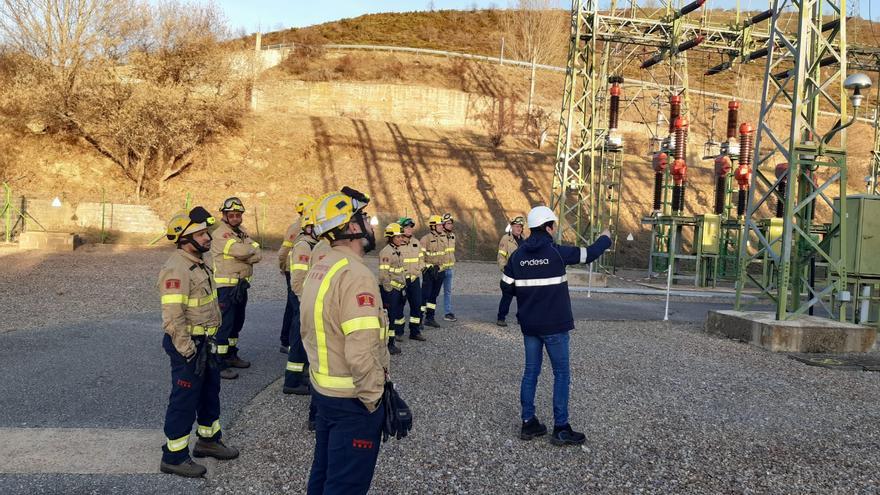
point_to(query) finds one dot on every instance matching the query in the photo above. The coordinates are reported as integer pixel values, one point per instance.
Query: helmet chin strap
(368, 240)
(200, 248)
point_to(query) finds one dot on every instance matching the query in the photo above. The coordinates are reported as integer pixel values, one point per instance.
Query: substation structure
(776, 222)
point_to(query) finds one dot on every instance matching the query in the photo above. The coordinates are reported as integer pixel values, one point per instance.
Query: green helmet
(406, 222)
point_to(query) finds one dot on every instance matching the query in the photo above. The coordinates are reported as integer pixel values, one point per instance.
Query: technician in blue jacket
(535, 275)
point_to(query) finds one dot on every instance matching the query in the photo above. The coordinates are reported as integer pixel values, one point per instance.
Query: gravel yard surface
(666, 409)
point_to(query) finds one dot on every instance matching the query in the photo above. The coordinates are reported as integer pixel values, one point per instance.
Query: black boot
(564, 435)
(531, 429)
(187, 469)
(215, 449)
(392, 348)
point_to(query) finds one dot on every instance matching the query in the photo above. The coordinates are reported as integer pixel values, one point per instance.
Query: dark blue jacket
(535, 274)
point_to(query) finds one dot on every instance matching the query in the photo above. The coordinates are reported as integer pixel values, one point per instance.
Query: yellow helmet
(308, 214)
(334, 211)
(393, 229)
(232, 204)
(183, 224)
(302, 203)
(434, 220)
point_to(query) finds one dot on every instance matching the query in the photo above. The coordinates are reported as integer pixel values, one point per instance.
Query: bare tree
(535, 30)
(144, 84)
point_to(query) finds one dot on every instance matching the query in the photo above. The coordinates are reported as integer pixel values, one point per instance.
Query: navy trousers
(297, 360)
(193, 398)
(291, 313)
(232, 322)
(393, 301)
(416, 308)
(347, 439)
(431, 286)
(504, 305)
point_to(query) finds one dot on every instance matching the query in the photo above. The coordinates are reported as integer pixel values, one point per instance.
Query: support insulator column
(743, 173)
(659, 163)
(614, 107)
(732, 118)
(723, 165)
(674, 111)
(679, 166)
(781, 171)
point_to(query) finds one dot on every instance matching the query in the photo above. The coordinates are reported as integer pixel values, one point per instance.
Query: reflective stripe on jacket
(299, 258)
(189, 300)
(287, 244)
(233, 255)
(392, 272)
(506, 247)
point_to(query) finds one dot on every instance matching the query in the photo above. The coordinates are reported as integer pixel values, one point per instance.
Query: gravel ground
(666, 409)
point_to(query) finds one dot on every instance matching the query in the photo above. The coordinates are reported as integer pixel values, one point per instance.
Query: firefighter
(506, 247)
(291, 310)
(448, 226)
(234, 255)
(392, 281)
(295, 378)
(535, 275)
(344, 330)
(190, 317)
(414, 261)
(433, 245)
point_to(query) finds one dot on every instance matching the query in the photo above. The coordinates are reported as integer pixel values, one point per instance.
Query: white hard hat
(541, 215)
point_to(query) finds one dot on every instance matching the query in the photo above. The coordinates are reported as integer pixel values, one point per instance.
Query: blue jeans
(447, 292)
(557, 349)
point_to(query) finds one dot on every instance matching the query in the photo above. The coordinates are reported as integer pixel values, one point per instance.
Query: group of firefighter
(204, 292)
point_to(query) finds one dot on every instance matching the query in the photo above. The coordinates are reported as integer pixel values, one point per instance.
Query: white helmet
(541, 215)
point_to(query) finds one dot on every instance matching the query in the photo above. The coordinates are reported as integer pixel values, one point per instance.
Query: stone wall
(415, 105)
(138, 219)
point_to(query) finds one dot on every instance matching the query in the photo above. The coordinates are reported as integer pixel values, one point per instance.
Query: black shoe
(393, 349)
(228, 374)
(301, 389)
(450, 317)
(398, 338)
(419, 337)
(311, 425)
(284, 349)
(215, 449)
(501, 323)
(237, 362)
(187, 469)
(432, 323)
(564, 435)
(531, 429)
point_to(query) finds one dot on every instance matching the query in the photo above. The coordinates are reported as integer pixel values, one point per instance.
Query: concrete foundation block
(47, 241)
(807, 334)
(581, 278)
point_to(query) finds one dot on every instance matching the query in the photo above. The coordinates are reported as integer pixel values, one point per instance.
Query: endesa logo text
(544, 261)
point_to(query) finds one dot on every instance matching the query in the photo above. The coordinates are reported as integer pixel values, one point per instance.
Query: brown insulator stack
(614, 106)
(744, 170)
(679, 166)
(659, 164)
(732, 118)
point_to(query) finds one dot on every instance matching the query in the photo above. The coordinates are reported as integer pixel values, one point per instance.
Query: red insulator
(743, 176)
(679, 171)
(674, 111)
(614, 106)
(660, 160)
(732, 117)
(723, 166)
(781, 169)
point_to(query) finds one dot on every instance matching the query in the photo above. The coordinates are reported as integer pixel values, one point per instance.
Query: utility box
(775, 230)
(862, 235)
(710, 233)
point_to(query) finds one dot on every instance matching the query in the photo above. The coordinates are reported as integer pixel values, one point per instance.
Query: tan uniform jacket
(344, 328)
(450, 251)
(434, 248)
(189, 300)
(289, 239)
(392, 274)
(233, 255)
(319, 251)
(299, 258)
(506, 246)
(413, 259)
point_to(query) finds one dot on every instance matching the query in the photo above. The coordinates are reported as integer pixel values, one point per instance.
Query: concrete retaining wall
(127, 218)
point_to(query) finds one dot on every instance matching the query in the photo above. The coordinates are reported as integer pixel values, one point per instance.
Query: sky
(270, 15)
